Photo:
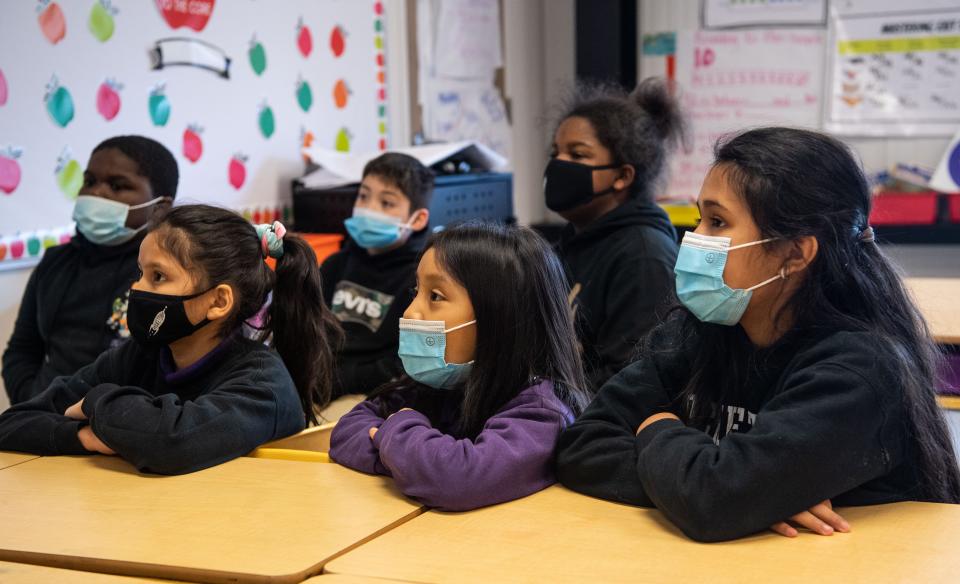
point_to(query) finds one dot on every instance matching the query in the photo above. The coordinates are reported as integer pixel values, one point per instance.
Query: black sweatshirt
(621, 273)
(819, 417)
(73, 309)
(368, 294)
(160, 419)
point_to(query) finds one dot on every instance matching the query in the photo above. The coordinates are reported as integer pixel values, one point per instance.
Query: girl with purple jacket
(493, 375)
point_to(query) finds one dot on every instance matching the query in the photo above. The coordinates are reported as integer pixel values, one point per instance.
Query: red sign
(190, 13)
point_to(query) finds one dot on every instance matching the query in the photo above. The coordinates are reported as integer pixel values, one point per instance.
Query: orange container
(323, 244)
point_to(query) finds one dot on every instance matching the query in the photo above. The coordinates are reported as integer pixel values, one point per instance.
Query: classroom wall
(539, 62)
(228, 109)
(876, 153)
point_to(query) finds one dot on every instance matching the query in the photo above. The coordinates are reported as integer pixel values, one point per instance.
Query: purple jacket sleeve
(350, 443)
(511, 458)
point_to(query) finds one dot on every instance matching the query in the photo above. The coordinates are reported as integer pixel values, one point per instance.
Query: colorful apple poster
(236, 90)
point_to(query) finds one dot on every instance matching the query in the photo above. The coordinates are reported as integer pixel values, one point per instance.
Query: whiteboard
(340, 57)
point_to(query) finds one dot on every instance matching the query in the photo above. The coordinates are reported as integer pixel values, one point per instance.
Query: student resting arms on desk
(492, 375)
(798, 374)
(190, 391)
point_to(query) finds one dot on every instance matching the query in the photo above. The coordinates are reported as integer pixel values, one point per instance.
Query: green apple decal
(159, 106)
(304, 95)
(342, 142)
(69, 174)
(266, 120)
(101, 23)
(59, 103)
(257, 55)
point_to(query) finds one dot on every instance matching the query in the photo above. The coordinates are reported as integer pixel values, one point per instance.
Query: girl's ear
(222, 302)
(802, 253)
(627, 174)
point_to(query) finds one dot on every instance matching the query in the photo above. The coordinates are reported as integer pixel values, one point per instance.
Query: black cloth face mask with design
(160, 319)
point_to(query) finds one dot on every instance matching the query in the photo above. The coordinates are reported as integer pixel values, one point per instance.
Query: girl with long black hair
(798, 374)
(492, 375)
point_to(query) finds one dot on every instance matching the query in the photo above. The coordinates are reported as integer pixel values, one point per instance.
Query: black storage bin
(456, 198)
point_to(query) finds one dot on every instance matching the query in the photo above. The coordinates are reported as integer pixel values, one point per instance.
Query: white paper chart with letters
(894, 72)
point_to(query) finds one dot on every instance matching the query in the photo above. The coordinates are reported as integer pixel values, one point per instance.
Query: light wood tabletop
(939, 301)
(8, 459)
(560, 536)
(14, 573)
(247, 520)
(347, 579)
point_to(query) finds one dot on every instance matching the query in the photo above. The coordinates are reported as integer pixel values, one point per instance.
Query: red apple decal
(193, 14)
(52, 23)
(10, 169)
(192, 143)
(337, 41)
(16, 249)
(237, 172)
(304, 38)
(108, 99)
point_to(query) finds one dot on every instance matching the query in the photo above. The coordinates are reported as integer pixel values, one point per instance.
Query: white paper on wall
(733, 80)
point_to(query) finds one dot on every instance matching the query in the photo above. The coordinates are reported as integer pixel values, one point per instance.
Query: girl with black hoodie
(609, 153)
(189, 390)
(798, 374)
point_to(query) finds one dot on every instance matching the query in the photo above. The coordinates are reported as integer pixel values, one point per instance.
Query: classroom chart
(245, 520)
(893, 72)
(561, 536)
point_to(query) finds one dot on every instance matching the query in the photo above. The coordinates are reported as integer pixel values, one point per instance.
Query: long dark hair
(639, 128)
(524, 327)
(799, 183)
(221, 247)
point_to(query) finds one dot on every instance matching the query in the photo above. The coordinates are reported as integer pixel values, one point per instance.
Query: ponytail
(224, 248)
(656, 97)
(301, 327)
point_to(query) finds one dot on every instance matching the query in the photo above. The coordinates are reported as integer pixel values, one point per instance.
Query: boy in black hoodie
(368, 284)
(609, 152)
(74, 306)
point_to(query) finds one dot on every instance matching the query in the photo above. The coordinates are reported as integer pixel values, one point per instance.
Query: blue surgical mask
(700, 285)
(373, 230)
(104, 222)
(422, 347)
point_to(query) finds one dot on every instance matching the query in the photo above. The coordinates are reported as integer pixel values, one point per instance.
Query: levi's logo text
(361, 305)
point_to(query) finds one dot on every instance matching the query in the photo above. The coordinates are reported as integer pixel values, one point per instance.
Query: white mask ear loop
(153, 201)
(780, 276)
(750, 244)
(460, 326)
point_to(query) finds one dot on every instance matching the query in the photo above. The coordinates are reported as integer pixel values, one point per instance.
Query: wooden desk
(14, 573)
(246, 520)
(559, 536)
(347, 579)
(8, 459)
(939, 301)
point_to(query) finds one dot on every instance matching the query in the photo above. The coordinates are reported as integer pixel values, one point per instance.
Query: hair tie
(271, 239)
(866, 235)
